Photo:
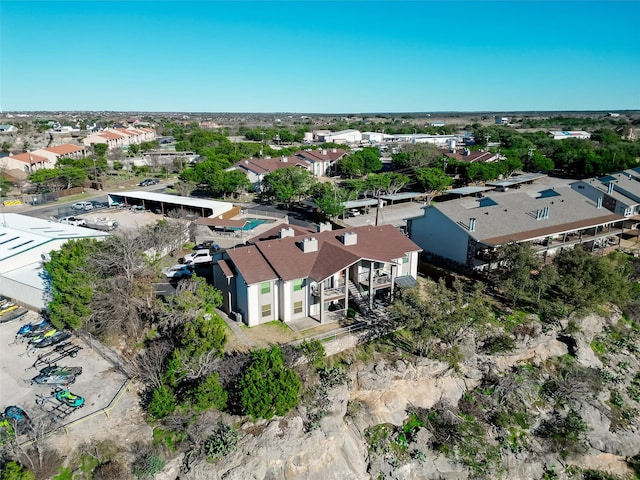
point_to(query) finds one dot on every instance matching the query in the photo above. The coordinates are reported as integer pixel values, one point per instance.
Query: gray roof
(517, 180)
(363, 202)
(514, 213)
(467, 190)
(403, 196)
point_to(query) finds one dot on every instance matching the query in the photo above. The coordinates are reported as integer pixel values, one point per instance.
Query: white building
(27, 240)
(561, 135)
(343, 136)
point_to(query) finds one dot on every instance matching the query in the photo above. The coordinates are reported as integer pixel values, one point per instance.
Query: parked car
(82, 206)
(79, 222)
(207, 245)
(178, 271)
(199, 257)
(148, 181)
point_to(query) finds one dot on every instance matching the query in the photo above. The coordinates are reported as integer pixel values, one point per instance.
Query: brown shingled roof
(266, 165)
(251, 265)
(382, 244)
(318, 156)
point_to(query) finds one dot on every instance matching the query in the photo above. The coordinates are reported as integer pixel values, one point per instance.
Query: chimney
(324, 152)
(599, 202)
(284, 159)
(246, 162)
(610, 188)
(472, 224)
(324, 227)
(334, 150)
(286, 232)
(349, 238)
(309, 245)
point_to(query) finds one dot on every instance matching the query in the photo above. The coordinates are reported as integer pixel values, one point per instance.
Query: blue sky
(319, 56)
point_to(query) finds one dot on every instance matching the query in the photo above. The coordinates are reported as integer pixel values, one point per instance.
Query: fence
(264, 213)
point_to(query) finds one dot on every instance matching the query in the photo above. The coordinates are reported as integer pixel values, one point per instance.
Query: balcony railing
(329, 293)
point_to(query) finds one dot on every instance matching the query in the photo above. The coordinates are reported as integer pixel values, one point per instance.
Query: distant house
(7, 128)
(501, 120)
(297, 274)
(466, 155)
(21, 165)
(561, 135)
(66, 150)
(322, 161)
(120, 137)
(256, 168)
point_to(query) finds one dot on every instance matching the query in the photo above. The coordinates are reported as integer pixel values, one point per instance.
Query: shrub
(499, 343)
(163, 402)
(14, 471)
(314, 351)
(268, 387)
(221, 442)
(209, 394)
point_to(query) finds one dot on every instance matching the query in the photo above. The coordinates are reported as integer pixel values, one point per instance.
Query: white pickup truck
(199, 257)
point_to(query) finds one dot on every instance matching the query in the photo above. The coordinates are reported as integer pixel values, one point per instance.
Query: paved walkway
(235, 328)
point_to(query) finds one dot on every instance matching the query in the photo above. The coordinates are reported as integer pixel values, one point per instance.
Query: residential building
(293, 274)
(7, 128)
(257, 168)
(322, 161)
(466, 155)
(66, 150)
(561, 135)
(467, 231)
(120, 137)
(21, 165)
(619, 192)
(501, 120)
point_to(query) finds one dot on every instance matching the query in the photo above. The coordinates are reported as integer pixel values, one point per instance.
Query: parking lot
(99, 383)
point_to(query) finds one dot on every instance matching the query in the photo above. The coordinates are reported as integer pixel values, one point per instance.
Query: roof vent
(349, 238)
(286, 232)
(309, 245)
(472, 224)
(610, 187)
(324, 227)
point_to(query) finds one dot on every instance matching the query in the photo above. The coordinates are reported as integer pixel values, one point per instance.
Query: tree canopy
(285, 184)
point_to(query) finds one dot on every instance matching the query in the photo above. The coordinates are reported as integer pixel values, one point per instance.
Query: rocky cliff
(363, 432)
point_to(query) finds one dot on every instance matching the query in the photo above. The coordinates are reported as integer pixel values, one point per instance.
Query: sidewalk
(235, 328)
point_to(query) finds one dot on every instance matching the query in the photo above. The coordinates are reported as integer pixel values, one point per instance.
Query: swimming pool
(254, 222)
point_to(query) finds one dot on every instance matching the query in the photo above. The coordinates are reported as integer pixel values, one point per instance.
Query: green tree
(268, 387)
(330, 199)
(100, 149)
(71, 284)
(360, 163)
(416, 155)
(516, 271)
(285, 184)
(433, 179)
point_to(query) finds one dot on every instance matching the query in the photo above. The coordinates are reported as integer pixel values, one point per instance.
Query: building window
(266, 310)
(405, 259)
(297, 307)
(265, 287)
(297, 285)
